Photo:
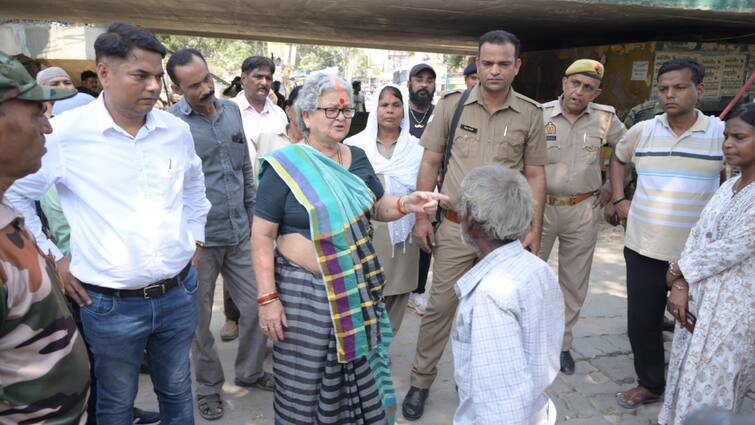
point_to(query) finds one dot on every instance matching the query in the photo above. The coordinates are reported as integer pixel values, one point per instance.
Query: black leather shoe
(567, 363)
(414, 403)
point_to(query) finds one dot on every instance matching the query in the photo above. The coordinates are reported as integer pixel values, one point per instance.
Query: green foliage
(456, 61)
(311, 57)
(224, 56)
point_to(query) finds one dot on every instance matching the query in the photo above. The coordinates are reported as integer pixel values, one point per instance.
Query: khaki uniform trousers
(576, 227)
(452, 259)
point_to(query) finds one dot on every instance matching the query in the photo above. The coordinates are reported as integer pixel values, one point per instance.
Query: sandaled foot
(636, 397)
(265, 383)
(210, 406)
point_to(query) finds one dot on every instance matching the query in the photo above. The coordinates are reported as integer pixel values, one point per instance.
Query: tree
(456, 61)
(311, 57)
(224, 56)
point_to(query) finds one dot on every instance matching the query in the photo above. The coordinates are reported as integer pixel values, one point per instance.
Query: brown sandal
(636, 397)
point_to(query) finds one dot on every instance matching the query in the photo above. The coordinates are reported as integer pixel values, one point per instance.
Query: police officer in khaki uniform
(498, 125)
(575, 130)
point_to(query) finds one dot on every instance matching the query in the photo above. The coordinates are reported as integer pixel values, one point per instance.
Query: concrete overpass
(416, 25)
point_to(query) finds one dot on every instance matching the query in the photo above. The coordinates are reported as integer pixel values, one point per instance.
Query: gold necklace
(418, 123)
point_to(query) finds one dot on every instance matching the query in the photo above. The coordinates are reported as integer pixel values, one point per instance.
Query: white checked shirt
(136, 205)
(506, 339)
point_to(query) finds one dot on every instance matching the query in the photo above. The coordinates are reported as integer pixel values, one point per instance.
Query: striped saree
(333, 365)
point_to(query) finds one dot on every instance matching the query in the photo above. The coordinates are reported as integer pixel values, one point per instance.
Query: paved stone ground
(601, 350)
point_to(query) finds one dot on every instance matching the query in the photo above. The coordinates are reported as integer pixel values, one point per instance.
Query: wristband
(398, 205)
(267, 298)
(617, 201)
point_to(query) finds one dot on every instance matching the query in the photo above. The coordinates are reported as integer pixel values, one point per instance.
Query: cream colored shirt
(574, 149)
(511, 136)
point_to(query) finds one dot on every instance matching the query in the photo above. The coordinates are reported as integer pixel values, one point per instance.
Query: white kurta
(715, 365)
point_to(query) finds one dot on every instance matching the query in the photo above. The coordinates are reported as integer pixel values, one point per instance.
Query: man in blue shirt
(220, 142)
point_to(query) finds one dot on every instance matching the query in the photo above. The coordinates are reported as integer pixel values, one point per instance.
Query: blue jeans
(119, 328)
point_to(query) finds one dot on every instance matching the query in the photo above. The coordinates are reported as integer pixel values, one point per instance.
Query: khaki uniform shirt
(574, 149)
(511, 136)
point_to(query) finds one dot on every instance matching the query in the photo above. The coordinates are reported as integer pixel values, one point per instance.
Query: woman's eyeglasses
(332, 113)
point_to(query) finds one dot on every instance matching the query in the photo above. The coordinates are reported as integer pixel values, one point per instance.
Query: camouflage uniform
(44, 369)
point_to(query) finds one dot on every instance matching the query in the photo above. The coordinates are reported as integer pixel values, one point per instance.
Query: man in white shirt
(510, 322)
(133, 191)
(258, 112)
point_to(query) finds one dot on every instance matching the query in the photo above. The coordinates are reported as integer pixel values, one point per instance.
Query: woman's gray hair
(499, 201)
(314, 87)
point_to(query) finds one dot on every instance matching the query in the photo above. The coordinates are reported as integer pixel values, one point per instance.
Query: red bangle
(398, 206)
(265, 298)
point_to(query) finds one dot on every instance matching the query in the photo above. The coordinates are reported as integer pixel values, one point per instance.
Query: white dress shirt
(136, 205)
(272, 119)
(507, 338)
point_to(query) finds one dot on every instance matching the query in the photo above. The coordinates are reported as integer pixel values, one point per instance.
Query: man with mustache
(132, 189)
(575, 130)
(259, 113)
(421, 85)
(219, 140)
(496, 125)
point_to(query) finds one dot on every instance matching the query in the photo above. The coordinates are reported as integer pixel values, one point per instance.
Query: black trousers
(424, 269)
(646, 302)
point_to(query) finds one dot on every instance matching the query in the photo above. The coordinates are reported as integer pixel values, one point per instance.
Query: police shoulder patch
(450, 92)
(606, 108)
(527, 99)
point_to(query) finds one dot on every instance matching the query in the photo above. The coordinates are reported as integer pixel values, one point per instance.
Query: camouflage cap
(16, 83)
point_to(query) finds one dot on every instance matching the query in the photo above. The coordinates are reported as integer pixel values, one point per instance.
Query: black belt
(155, 290)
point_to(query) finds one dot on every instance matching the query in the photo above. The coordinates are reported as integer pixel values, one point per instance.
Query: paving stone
(650, 411)
(579, 405)
(612, 419)
(628, 419)
(562, 411)
(601, 324)
(594, 420)
(583, 368)
(583, 348)
(606, 404)
(619, 368)
(620, 342)
(559, 386)
(597, 383)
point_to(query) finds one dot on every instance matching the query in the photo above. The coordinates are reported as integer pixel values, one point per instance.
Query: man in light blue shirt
(510, 322)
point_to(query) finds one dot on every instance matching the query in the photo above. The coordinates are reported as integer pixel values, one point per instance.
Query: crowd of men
(158, 204)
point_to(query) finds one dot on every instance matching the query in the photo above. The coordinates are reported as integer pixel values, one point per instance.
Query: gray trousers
(234, 263)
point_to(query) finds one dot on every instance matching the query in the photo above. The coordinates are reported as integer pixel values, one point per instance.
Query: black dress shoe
(414, 403)
(567, 363)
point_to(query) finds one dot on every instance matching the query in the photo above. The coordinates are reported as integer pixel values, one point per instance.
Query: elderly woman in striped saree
(318, 278)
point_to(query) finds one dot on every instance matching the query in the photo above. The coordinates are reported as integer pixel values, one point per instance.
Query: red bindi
(342, 101)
